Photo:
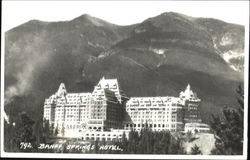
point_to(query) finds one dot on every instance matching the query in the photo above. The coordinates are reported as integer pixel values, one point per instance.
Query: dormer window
(98, 86)
(106, 86)
(115, 86)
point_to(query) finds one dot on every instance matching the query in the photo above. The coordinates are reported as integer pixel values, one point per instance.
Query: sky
(15, 13)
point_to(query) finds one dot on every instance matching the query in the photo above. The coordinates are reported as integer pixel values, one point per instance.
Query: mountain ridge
(158, 56)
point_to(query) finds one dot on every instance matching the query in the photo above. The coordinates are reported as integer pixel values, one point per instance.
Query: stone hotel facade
(162, 113)
(108, 109)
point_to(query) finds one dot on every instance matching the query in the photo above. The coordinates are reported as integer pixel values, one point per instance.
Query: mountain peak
(86, 18)
(170, 13)
(177, 15)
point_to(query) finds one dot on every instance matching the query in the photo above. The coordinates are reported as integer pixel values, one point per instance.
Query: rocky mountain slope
(157, 57)
(228, 41)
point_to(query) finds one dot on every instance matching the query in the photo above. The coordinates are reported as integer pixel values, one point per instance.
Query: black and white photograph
(124, 79)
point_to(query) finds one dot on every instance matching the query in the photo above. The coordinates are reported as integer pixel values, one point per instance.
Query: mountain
(157, 57)
(228, 41)
(58, 49)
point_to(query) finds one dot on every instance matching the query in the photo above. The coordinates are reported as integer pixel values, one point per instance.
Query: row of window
(159, 116)
(153, 105)
(104, 135)
(70, 109)
(159, 120)
(103, 138)
(72, 99)
(153, 100)
(157, 102)
(76, 96)
(150, 125)
(149, 112)
(69, 117)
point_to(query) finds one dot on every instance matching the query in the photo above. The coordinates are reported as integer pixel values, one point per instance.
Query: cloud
(24, 62)
(24, 80)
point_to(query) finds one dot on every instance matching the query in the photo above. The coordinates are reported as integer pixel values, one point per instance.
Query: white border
(246, 86)
(118, 156)
(130, 156)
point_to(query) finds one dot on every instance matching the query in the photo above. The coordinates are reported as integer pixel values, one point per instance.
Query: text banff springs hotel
(107, 113)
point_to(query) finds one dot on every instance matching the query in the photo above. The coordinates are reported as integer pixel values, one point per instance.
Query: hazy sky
(15, 13)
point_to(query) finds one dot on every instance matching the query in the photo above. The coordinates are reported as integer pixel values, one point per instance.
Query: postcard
(125, 79)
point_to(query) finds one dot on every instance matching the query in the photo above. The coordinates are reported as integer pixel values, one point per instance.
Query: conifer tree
(229, 130)
(195, 150)
(56, 131)
(63, 131)
(189, 136)
(124, 143)
(151, 142)
(24, 132)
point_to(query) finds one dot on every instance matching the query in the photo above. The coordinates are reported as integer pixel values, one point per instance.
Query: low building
(112, 135)
(197, 127)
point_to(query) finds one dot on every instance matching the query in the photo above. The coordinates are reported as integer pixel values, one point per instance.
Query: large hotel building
(107, 112)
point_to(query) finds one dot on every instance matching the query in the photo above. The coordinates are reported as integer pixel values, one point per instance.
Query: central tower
(191, 106)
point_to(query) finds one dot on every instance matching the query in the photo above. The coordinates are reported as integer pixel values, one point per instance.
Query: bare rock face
(228, 41)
